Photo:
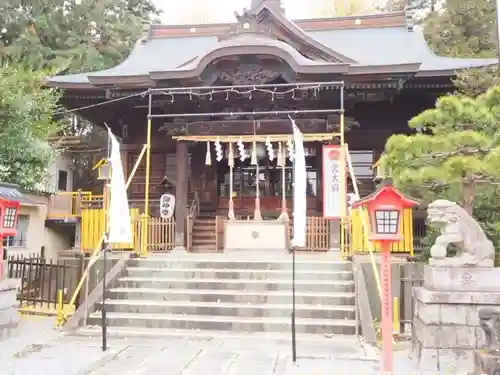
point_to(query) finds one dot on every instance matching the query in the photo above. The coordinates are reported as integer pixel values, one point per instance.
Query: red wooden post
(385, 273)
(2, 262)
(385, 208)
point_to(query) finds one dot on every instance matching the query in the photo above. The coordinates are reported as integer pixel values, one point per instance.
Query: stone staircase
(197, 295)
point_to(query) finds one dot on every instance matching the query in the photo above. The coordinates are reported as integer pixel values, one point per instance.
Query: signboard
(167, 206)
(334, 182)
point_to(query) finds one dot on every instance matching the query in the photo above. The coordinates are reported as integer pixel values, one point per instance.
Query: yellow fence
(161, 232)
(358, 241)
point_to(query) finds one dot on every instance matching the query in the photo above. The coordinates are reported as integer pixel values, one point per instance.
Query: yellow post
(344, 192)
(60, 307)
(342, 138)
(396, 322)
(144, 237)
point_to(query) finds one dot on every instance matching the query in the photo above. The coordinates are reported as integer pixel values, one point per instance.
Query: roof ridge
(374, 20)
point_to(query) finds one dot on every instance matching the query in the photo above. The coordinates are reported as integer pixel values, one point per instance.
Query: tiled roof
(368, 46)
(11, 192)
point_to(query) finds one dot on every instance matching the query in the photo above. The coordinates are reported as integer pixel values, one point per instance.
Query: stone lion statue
(459, 228)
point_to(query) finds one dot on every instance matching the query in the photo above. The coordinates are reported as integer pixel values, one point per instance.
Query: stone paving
(40, 349)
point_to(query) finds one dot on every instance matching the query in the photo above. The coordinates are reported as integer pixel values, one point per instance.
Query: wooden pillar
(124, 158)
(181, 194)
(319, 177)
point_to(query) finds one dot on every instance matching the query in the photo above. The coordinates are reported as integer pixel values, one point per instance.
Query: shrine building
(358, 78)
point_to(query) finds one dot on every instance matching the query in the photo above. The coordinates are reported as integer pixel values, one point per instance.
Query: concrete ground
(40, 349)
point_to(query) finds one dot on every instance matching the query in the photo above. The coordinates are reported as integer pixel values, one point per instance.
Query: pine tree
(455, 155)
(463, 29)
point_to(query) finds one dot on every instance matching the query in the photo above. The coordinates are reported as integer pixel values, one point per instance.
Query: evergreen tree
(463, 29)
(77, 35)
(40, 38)
(455, 156)
(466, 29)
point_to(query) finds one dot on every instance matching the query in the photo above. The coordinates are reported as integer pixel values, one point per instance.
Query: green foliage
(56, 36)
(462, 29)
(25, 120)
(474, 82)
(465, 29)
(71, 35)
(455, 156)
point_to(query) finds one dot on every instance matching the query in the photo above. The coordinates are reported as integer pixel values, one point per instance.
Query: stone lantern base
(9, 316)
(446, 330)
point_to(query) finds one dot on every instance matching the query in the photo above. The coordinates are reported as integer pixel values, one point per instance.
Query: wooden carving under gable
(244, 74)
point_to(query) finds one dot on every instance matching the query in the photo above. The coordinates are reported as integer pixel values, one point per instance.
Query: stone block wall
(446, 331)
(9, 315)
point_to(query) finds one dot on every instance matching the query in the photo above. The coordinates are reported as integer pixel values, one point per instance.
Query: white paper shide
(120, 230)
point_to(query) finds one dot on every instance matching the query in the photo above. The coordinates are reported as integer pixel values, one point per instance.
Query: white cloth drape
(299, 191)
(120, 230)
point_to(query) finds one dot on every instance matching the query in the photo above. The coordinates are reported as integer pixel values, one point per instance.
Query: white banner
(299, 190)
(120, 228)
(334, 182)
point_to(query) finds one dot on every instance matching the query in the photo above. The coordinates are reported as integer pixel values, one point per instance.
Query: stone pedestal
(9, 316)
(486, 363)
(446, 330)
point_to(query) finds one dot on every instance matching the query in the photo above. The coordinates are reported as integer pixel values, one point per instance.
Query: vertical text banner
(334, 182)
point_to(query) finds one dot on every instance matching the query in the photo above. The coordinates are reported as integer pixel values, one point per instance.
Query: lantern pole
(2, 258)
(387, 333)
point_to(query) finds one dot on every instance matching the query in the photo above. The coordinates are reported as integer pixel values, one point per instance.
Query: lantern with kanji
(385, 209)
(9, 210)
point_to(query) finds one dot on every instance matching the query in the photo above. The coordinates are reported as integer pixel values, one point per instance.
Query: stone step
(241, 274)
(230, 309)
(240, 296)
(222, 261)
(344, 286)
(226, 323)
(140, 332)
